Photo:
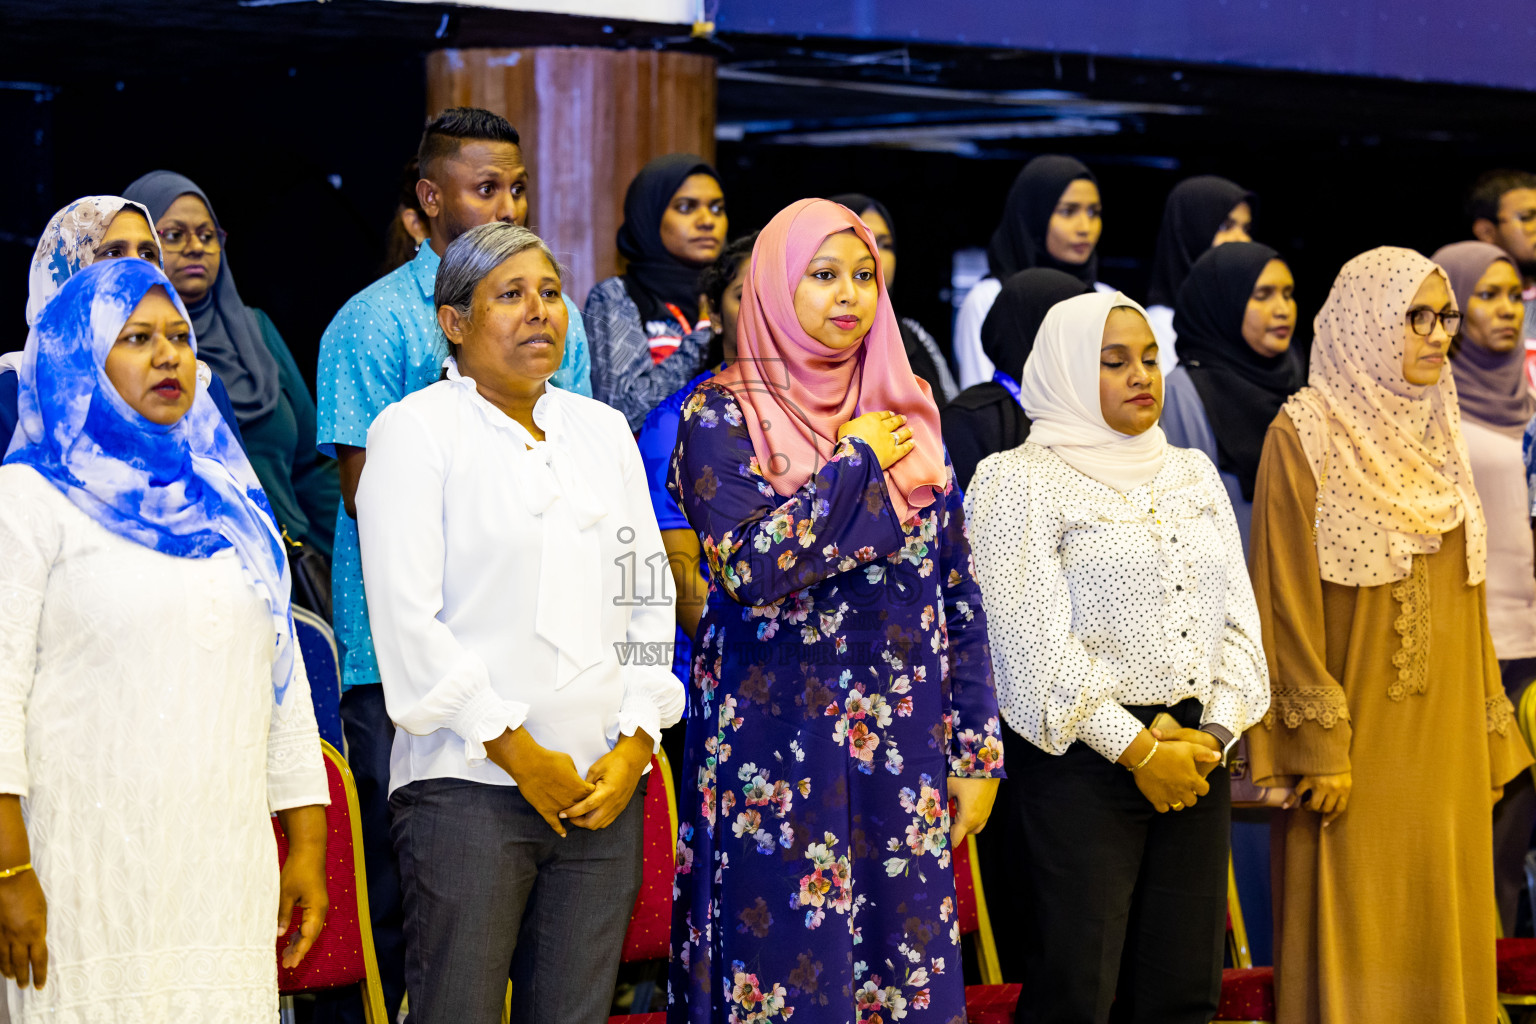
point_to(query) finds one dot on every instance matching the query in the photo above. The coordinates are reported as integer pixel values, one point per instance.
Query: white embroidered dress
(137, 722)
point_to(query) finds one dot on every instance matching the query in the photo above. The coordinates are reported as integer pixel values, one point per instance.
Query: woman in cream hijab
(1388, 716)
(1125, 646)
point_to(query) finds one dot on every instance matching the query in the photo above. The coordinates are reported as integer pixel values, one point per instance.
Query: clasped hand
(1328, 795)
(1174, 778)
(547, 778)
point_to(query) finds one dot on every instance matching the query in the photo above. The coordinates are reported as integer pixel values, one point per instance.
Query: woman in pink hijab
(841, 691)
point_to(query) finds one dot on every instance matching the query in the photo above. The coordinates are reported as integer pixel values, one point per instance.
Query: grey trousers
(489, 887)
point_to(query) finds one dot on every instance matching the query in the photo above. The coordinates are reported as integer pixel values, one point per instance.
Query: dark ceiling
(778, 88)
(300, 113)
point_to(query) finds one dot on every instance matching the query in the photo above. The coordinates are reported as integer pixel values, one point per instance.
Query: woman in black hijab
(987, 417)
(923, 352)
(1237, 365)
(1052, 218)
(646, 330)
(1201, 213)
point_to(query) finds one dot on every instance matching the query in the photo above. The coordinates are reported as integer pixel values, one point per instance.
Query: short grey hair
(476, 253)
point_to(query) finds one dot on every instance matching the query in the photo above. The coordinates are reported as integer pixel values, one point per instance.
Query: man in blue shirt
(384, 344)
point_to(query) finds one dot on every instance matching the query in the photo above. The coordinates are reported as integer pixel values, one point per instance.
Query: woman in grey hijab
(1496, 404)
(241, 344)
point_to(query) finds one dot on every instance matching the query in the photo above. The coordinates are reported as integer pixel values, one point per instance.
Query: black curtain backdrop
(301, 161)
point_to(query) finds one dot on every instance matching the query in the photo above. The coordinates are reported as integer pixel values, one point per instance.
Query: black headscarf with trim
(654, 277)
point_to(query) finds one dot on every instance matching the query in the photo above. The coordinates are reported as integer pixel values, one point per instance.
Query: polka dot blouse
(1098, 600)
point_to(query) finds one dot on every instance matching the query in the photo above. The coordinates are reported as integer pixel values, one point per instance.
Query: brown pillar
(589, 120)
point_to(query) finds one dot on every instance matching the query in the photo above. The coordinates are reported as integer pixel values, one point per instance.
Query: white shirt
(503, 577)
(1498, 472)
(1160, 319)
(1095, 601)
(975, 367)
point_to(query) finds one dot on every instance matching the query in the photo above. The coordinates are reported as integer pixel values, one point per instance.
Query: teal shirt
(382, 345)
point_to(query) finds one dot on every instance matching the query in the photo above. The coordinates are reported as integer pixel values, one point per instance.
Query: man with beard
(1502, 208)
(382, 345)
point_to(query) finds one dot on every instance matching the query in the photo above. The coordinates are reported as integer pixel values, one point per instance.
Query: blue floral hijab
(186, 489)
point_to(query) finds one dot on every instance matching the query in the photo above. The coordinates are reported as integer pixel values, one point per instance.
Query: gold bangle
(1143, 762)
(18, 869)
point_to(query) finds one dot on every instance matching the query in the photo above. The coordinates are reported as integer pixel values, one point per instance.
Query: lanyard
(1009, 384)
(687, 327)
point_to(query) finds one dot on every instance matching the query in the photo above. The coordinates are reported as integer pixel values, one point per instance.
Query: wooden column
(589, 120)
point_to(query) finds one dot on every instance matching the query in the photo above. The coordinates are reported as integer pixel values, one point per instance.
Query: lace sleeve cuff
(1500, 713)
(1325, 705)
(296, 770)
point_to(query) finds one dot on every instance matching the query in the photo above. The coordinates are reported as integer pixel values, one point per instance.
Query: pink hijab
(795, 392)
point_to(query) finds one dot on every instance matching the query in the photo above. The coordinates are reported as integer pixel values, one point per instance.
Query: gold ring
(1177, 807)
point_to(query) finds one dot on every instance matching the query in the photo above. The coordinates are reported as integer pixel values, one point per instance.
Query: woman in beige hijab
(1387, 716)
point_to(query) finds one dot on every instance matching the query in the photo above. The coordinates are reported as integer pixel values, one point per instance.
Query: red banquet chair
(991, 1002)
(343, 954)
(1517, 957)
(1247, 992)
(650, 923)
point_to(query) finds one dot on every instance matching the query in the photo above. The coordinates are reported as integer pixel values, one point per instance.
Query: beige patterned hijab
(1392, 466)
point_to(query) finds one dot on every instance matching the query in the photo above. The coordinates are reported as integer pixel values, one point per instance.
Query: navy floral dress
(842, 674)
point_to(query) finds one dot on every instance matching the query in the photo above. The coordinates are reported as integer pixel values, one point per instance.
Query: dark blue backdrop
(1418, 40)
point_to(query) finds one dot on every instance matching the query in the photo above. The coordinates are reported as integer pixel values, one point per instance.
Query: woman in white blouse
(508, 550)
(1116, 591)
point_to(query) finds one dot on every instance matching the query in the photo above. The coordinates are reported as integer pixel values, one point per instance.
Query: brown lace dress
(1388, 914)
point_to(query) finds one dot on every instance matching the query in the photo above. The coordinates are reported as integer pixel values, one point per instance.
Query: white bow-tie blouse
(1098, 600)
(505, 577)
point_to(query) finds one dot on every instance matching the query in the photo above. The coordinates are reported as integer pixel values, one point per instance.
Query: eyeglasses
(1422, 320)
(176, 239)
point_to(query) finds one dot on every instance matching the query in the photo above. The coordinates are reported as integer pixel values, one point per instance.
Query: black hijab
(1019, 241)
(985, 418)
(654, 276)
(1241, 390)
(1195, 209)
(1008, 333)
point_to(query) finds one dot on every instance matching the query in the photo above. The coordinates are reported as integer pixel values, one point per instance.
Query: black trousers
(1125, 912)
(1515, 813)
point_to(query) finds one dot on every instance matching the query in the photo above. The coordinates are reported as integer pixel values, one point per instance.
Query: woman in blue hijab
(153, 702)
